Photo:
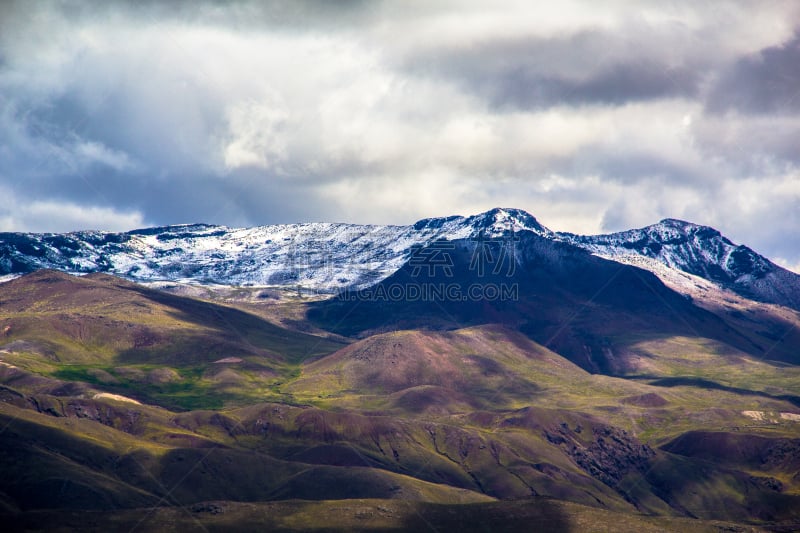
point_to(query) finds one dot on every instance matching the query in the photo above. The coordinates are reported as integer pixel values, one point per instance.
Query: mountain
(588, 309)
(156, 343)
(487, 374)
(701, 251)
(327, 257)
(317, 256)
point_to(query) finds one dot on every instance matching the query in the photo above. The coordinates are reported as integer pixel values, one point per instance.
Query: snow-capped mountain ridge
(493, 223)
(701, 251)
(319, 256)
(692, 248)
(331, 256)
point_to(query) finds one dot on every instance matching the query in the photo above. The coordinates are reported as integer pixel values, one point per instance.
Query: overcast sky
(593, 116)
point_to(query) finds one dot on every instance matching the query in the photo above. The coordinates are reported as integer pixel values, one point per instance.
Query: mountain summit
(493, 223)
(701, 251)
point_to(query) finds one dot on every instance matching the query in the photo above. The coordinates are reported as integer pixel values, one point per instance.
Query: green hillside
(123, 407)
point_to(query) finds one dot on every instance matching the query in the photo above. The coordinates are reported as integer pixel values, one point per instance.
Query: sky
(592, 116)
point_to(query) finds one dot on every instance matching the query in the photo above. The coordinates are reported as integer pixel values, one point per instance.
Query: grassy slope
(182, 478)
(412, 414)
(115, 334)
(368, 515)
(78, 463)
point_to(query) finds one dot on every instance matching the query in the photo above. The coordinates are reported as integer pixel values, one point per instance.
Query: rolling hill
(491, 372)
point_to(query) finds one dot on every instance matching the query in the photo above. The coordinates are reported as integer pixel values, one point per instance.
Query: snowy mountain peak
(316, 256)
(675, 222)
(500, 220)
(650, 240)
(493, 223)
(702, 251)
(671, 228)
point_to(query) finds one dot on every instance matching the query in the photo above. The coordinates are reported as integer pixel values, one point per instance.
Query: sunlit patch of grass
(703, 358)
(190, 391)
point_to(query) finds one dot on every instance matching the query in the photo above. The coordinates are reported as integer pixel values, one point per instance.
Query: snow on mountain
(327, 257)
(316, 256)
(698, 250)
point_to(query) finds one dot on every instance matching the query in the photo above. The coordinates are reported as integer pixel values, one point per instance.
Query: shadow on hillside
(204, 313)
(48, 467)
(702, 383)
(237, 329)
(699, 489)
(563, 298)
(538, 514)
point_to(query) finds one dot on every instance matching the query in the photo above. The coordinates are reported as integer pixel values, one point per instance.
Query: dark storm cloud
(618, 84)
(766, 82)
(631, 167)
(591, 67)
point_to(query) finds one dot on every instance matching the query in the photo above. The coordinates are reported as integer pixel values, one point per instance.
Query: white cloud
(54, 216)
(91, 152)
(250, 115)
(255, 134)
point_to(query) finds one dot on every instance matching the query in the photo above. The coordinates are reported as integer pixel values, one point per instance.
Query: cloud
(762, 212)
(92, 152)
(54, 216)
(765, 82)
(255, 133)
(593, 117)
(590, 67)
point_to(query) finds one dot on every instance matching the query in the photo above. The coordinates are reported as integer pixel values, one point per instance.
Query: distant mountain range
(330, 257)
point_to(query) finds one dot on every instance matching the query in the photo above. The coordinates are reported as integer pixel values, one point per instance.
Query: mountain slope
(319, 256)
(700, 251)
(448, 414)
(326, 258)
(145, 343)
(591, 310)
